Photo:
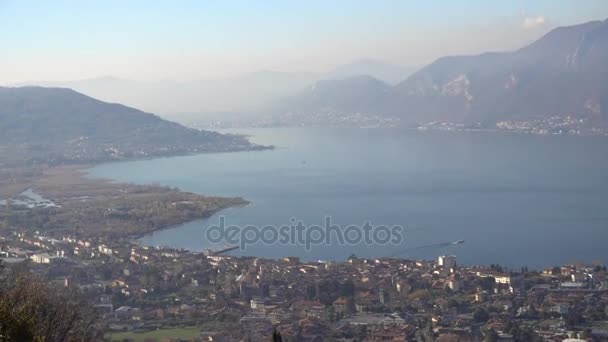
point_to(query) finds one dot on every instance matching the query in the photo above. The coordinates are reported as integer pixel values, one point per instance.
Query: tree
(480, 315)
(491, 336)
(573, 318)
(347, 289)
(276, 336)
(350, 306)
(421, 294)
(526, 334)
(497, 268)
(32, 310)
(310, 292)
(487, 283)
(586, 334)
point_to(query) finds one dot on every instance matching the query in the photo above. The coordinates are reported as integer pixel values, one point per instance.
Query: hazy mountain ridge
(171, 97)
(387, 73)
(57, 125)
(353, 94)
(563, 73)
(244, 95)
(559, 74)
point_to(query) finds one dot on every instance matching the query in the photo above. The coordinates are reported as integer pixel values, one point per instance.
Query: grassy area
(188, 333)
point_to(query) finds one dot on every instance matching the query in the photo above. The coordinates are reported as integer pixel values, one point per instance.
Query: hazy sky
(67, 40)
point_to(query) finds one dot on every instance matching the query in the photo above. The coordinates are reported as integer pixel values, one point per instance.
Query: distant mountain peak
(561, 74)
(386, 72)
(352, 79)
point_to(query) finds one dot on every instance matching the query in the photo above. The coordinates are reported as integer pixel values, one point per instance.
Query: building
(44, 258)
(454, 284)
(340, 305)
(499, 278)
(258, 304)
(447, 261)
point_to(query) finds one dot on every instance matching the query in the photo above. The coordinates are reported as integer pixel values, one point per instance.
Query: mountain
(238, 96)
(564, 73)
(389, 73)
(353, 94)
(174, 99)
(57, 125)
(347, 101)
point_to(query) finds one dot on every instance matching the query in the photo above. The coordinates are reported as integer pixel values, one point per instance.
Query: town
(138, 290)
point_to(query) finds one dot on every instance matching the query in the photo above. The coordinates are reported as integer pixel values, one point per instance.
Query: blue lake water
(517, 200)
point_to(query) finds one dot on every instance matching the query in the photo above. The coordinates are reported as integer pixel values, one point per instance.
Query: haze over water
(517, 200)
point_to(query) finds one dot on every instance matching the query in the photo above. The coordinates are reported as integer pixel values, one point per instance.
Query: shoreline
(138, 236)
(112, 202)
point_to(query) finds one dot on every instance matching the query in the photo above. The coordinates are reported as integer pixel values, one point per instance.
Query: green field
(188, 333)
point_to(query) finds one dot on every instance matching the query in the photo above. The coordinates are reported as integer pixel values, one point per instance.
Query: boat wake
(435, 245)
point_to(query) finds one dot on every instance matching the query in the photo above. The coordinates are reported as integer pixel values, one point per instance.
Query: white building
(447, 261)
(499, 278)
(257, 304)
(43, 258)
(454, 284)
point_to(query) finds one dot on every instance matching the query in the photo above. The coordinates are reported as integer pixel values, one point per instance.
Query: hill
(57, 125)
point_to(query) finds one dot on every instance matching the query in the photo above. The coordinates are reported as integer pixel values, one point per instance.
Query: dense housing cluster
(215, 297)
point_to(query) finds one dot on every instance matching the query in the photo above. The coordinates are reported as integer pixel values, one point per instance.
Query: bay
(515, 200)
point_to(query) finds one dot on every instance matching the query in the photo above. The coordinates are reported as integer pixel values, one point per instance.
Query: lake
(516, 200)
